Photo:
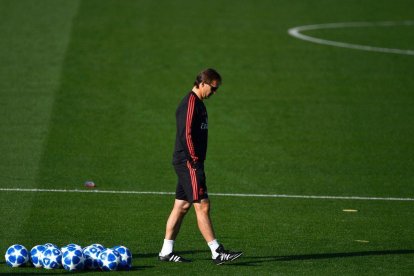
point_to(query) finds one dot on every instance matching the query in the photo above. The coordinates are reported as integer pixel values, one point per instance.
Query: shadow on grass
(20, 271)
(137, 256)
(253, 261)
(155, 255)
(40, 271)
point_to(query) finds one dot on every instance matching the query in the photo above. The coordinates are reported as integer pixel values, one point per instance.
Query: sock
(213, 246)
(167, 247)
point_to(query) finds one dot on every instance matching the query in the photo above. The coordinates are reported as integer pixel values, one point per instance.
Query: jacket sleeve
(185, 118)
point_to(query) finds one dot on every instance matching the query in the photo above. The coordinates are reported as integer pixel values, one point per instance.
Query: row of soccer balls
(72, 257)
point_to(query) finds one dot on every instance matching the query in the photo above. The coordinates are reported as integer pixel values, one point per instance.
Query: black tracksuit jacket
(192, 131)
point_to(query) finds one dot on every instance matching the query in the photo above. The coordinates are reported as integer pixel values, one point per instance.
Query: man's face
(210, 89)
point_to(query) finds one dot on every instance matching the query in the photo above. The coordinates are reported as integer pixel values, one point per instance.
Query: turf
(88, 91)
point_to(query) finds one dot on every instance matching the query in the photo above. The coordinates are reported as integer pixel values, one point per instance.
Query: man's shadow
(155, 255)
(254, 261)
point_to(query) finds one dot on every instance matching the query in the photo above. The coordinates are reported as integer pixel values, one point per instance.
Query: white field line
(296, 32)
(215, 194)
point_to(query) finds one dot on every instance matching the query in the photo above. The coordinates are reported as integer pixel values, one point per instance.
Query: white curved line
(296, 32)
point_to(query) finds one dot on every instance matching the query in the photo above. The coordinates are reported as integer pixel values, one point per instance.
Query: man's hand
(195, 165)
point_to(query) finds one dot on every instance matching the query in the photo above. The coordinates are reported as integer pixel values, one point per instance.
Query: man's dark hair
(208, 76)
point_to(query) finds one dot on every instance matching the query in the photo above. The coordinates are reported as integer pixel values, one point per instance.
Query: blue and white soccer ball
(126, 257)
(91, 253)
(98, 245)
(109, 259)
(36, 255)
(51, 245)
(52, 258)
(16, 255)
(71, 247)
(73, 259)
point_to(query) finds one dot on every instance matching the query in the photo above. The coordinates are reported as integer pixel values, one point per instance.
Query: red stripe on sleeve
(190, 111)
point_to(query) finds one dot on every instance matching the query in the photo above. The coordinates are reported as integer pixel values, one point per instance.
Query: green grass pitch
(88, 91)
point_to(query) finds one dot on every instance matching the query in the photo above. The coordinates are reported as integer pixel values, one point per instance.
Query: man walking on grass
(188, 160)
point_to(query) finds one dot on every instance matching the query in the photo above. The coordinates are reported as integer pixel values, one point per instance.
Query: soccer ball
(126, 257)
(36, 255)
(91, 253)
(16, 255)
(73, 259)
(51, 245)
(70, 247)
(52, 258)
(99, 246)
(109, 259)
